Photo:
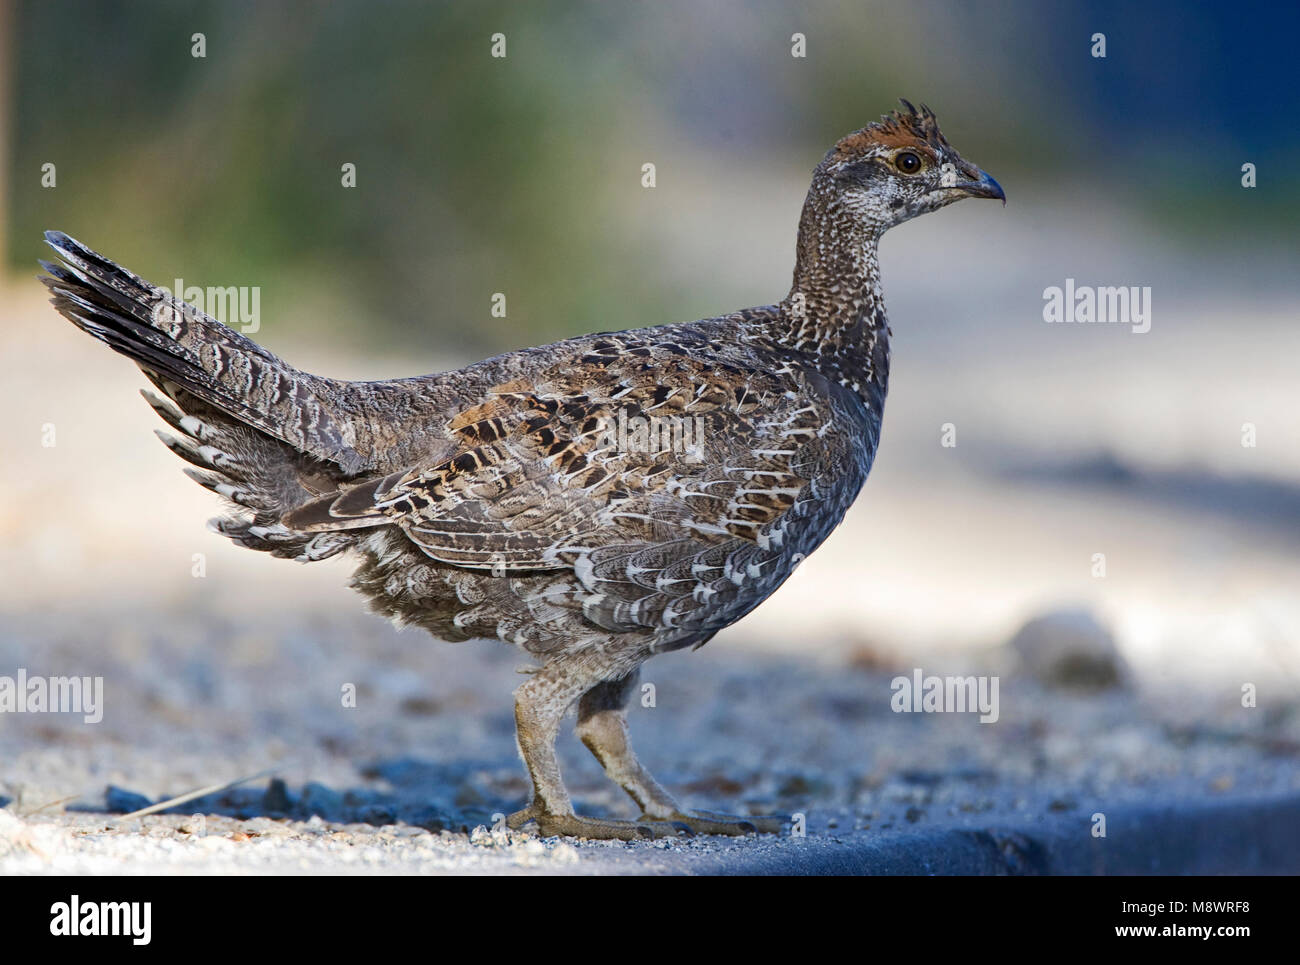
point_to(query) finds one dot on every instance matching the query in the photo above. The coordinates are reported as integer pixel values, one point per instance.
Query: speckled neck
(835, 312)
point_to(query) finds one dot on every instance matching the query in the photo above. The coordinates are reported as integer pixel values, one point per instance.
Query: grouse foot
(597, 829)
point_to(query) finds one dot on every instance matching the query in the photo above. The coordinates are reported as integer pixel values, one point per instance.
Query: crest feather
(895, 129)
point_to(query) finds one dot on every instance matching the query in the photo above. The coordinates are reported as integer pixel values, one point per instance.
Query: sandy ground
(410, 779)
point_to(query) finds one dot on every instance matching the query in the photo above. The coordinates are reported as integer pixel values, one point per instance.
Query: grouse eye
(907, 162)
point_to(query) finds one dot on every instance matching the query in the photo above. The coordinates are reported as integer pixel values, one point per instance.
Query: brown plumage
(595, 501)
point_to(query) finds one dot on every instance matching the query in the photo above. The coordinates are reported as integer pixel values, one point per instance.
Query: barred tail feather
(257, 431)
(204, 358)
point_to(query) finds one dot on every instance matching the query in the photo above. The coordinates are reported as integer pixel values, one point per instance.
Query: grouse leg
(540, 705)
(602, 726)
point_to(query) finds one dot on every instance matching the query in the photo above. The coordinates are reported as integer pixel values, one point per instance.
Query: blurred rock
(429, 818)
(1071, 650)
(120, 801)
(319, 799)
(378, 815)
(276, 799)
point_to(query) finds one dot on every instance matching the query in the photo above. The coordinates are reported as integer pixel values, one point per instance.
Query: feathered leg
(540, 706)
(602, 726)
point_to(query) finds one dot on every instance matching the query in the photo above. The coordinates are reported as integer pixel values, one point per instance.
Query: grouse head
(899, 168)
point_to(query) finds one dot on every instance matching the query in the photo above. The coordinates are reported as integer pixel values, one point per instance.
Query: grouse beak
(983, 187)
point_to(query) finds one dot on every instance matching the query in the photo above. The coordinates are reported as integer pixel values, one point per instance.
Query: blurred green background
(522, 175)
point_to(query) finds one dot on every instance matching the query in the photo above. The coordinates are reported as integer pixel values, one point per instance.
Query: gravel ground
(409, 779)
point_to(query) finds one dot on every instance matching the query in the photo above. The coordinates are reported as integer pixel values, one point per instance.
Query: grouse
(594, 502)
